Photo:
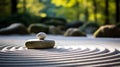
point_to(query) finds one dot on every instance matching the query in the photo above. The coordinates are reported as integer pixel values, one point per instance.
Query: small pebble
(41, 35)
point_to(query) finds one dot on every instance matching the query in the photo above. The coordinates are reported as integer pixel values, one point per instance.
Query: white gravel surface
(68, 52)
(63, 41)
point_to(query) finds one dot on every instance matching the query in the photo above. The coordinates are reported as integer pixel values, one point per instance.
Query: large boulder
(108, 31)
(16, 28)
(35, 28)
(74, 32)
(89, 27)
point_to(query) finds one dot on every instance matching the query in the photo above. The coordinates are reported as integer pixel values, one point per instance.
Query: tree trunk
(24, 6)
(86, 12)
(117, 11)
(14, 6)
(106, 12)
(95, 10)
(78, 14)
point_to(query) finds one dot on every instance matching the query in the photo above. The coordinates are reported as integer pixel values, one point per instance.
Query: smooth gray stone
(15, 28)
(74, 32)
(36, 28)
(39, 44)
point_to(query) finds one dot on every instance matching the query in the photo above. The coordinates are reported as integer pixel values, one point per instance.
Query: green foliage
(71, 9)
(5, 6)
(31, 6)
(24, 18)
(55, 22)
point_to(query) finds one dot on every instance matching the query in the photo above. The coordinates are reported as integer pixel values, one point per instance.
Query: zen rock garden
(71, 29)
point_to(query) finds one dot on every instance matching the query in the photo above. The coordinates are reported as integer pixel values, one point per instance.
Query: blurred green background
(98, 11)
(60, 12)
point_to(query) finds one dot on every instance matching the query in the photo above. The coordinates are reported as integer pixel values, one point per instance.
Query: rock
(35, 28)
(108, 31)
(56, 30)
(74, 24)
(55, 22)
(74, 32)
(89, 28)
(41, 35)
(39, 44)
(118, 25)
(16, 28)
